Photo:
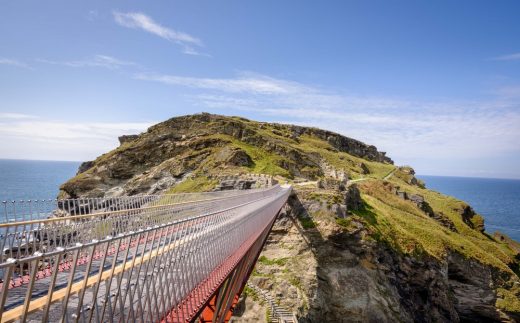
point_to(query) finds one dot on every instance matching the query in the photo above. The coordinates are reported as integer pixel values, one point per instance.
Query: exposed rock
(249, 311)
(162, 184)
(443, 220)
(421, 203)
(115, 192)
(332, 184)
(235, 184)
(467, 213)
(127, 138)
(344, 144)
(187, 142)
(407, 170)
(330, 171)
(353, 199)
(407, 174)
(85, 166)
(234, 157)
(340, 210)
(364, 168)
(472, 287)
(345, 278)
(402, 194)
(58, 213)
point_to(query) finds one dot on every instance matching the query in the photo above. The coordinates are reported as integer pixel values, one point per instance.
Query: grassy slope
(196, 184)
(397, 222)
(410, 231)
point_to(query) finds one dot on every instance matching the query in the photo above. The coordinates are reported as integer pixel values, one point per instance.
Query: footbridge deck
(153, 258)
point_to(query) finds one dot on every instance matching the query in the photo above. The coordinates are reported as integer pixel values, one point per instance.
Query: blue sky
(436, 84)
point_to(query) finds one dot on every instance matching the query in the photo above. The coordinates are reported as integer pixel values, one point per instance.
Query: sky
(435, 84)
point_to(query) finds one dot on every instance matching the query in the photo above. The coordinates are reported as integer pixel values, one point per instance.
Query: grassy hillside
(193, 153)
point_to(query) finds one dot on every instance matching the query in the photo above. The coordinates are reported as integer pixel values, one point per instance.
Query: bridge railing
(158, 272)
(34, 210)
(84, 220)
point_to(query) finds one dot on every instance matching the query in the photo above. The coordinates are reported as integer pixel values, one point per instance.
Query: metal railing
(159, 260)
(43, 225)
(36, 210)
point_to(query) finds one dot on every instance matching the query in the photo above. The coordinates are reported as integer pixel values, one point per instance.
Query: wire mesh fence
(132, 263)
(43, 225)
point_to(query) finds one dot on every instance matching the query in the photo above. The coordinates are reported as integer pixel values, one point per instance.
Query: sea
(498, 200)
(33, 179)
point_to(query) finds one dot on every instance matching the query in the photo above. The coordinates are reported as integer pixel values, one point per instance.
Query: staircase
(277, 313)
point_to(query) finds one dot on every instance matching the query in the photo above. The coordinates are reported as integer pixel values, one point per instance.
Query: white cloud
(13, 62)
(31, 137)
(95, 61)
(247, 83)
(8, 115)
(508, 57)
(137, 20)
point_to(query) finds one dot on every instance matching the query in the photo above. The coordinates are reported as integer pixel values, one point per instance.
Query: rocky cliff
(360, 240)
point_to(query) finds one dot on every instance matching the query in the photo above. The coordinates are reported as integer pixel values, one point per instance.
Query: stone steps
(278, 314)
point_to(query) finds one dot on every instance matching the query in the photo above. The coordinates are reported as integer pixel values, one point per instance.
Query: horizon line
(433, 175)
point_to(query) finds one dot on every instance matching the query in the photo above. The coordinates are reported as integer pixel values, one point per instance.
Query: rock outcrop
(127, 138)
(83, 167)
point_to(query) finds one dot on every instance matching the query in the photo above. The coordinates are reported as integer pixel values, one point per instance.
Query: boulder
(233, 156)
(407, 170)
(85, 166)
(364, 168)
(329, 183)
(235, 184)
(239, 158)
(402, 195)
(127, 138)
(353, 199)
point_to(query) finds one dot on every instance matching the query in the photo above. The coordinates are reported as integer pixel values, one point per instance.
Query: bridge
(146, 258)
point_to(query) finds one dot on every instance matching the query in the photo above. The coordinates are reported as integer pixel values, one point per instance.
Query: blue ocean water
(33, 179)
(498, 200)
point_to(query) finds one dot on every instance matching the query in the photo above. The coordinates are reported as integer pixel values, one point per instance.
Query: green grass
(343, 222)
(256, 273)
(409, 230)
(275, 261)
(248, 291)
(341, 160)
(307, 223)
(264, 162)
(332, 197)
(509, 300)
(449, 206)
(295, 281)
(366, 212)
(103, 229)
(197, 184)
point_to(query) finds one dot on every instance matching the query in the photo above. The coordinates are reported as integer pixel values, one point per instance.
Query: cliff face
(378, 247)
(340, 270)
